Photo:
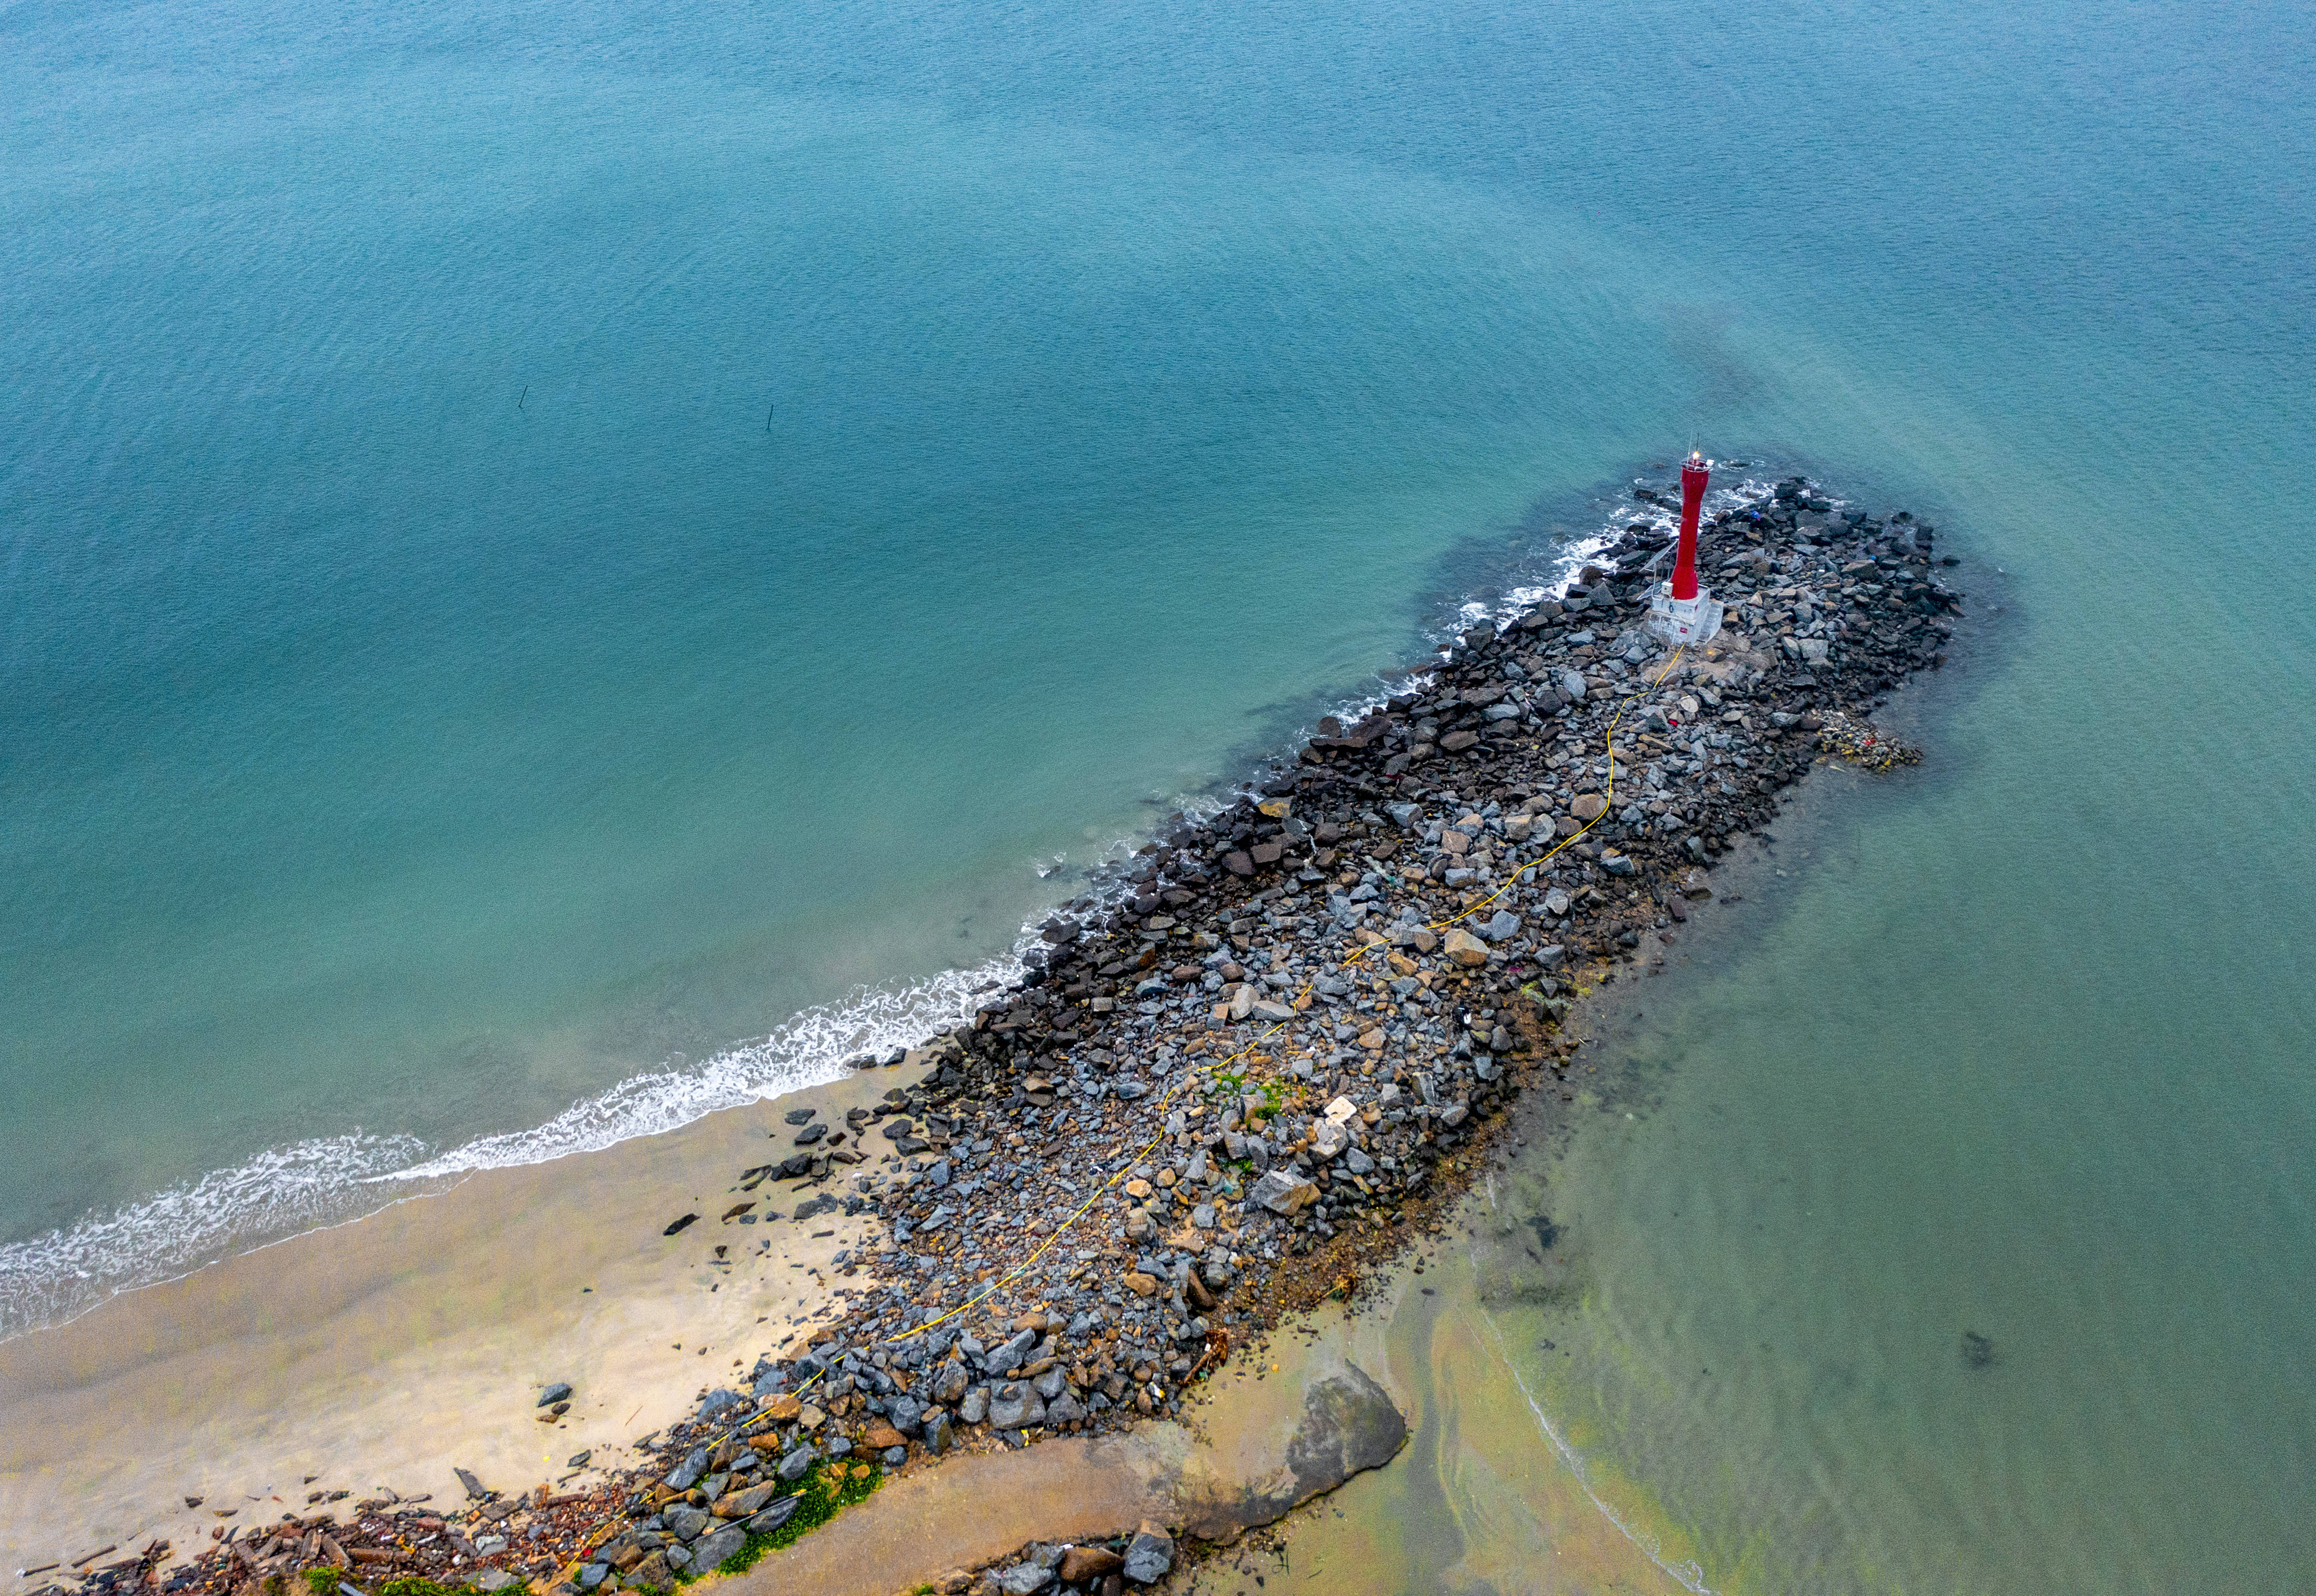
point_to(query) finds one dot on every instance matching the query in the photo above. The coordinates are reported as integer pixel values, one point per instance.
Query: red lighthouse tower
(1679, 611)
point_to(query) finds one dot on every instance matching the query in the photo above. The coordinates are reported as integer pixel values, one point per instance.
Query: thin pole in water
(526, 393)
(767, 415)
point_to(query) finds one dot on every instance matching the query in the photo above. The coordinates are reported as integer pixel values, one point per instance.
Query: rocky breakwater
(1224, 1098)
(1266, 1069)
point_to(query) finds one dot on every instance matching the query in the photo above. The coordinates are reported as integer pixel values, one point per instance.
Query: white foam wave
(286, 1190)
(811, 1047)
(49, 1279)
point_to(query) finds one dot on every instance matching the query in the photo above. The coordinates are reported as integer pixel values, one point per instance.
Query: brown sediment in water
(1251, 1448)
(1478, 1499)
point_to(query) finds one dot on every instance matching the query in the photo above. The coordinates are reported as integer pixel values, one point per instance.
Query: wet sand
(1275, 1427)
(388, 1351)
(1477, 1502)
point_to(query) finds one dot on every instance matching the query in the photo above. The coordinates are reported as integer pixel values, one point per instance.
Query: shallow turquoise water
(541, 544)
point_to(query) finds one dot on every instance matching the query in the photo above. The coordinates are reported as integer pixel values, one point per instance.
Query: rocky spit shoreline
(1252, 1074)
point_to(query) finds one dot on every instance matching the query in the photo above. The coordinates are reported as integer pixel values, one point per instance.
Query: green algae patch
(829, 1488)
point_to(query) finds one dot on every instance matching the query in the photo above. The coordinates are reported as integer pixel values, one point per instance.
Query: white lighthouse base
(1683, 620)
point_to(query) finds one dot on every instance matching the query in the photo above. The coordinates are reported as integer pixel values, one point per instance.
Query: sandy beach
(388, 1352)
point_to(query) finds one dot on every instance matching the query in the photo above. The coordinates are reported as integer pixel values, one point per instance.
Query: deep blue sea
(561, 566)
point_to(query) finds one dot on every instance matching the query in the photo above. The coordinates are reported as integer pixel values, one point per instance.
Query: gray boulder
(793, 1467)
(1284, 1193)
(741, 1504)
(1024, 1579)
(1007, 1357)
(710, 1550)
(774, 1516)
(1149, 1555)
(686, 1474)
(1016, 1407)
(684, 1523)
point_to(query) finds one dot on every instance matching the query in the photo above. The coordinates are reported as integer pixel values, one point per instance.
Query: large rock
(1024, 1579)
(1465, 949)
(1082, 1564)
(1329, 1139)
(747, 1503)
(1007, 1356)
(774, 1516)
(794, 1466)
(710, 1550)
(1016, 1407)
(1149, 1555)
(686, 1474)
(1284, 1193)
(1455, 743)
(685, 1524)
(938, 1432)
(1348, 1425)
(1589, 806)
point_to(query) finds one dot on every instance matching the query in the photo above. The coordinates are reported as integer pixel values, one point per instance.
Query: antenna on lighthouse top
(1679, 611)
